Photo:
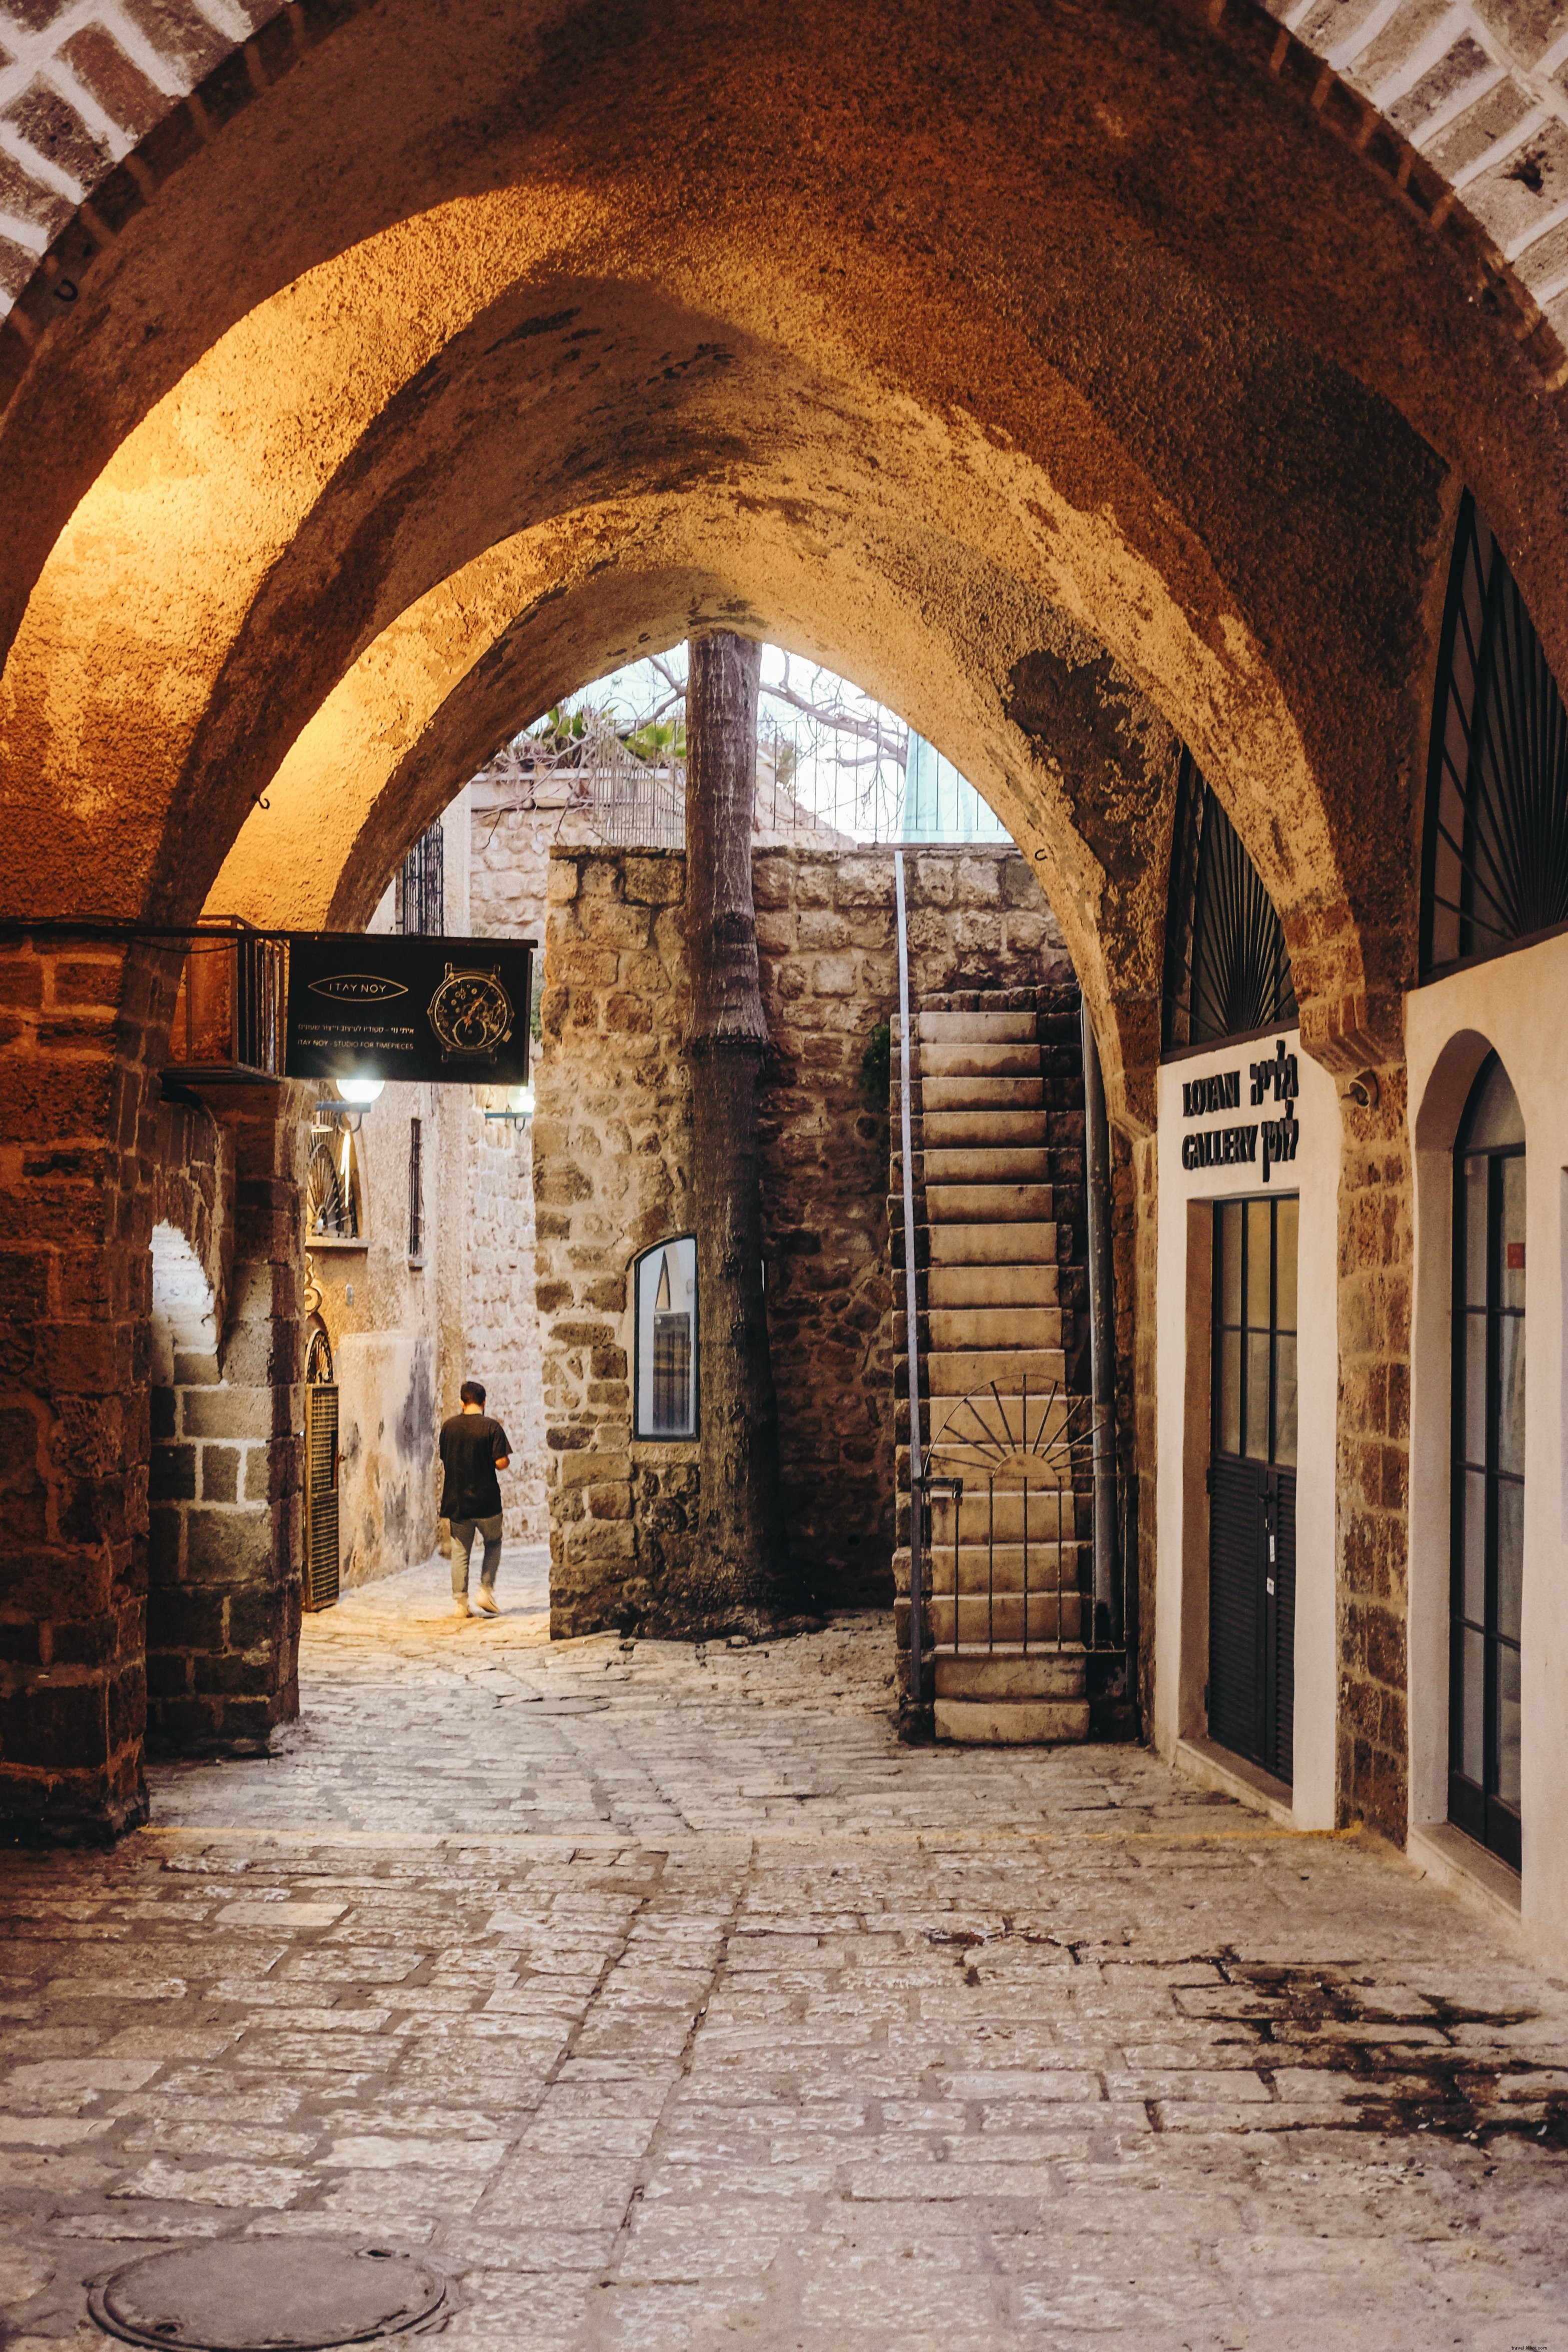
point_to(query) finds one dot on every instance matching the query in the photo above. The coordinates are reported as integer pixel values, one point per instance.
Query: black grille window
(1227, 970)
(1495, 861)
(421, 888)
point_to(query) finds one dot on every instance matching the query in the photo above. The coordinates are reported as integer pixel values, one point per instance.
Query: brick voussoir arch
(1247, 28)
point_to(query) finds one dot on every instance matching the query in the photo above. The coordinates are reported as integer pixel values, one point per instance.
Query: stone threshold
(1214, 1766)
(1458, 1864)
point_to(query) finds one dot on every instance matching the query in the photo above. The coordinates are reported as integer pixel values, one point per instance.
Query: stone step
(998, 1567)
(982, 1165)
(994, 1327)
(1013, 1204)
(952, 1131)
(1011, 1723)
(954, 1373)
(979, 1061)
(993, 1244)
(983, 1619)
(1012, 1674)
(993, 1286)
(947, 1028)
(981, 1094)
(991, 1511)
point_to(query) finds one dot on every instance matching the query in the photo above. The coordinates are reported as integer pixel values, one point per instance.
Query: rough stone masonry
(612, 1176)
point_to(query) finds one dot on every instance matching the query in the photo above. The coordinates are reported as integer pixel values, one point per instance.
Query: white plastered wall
(1183, 1279)
(1517, 1006)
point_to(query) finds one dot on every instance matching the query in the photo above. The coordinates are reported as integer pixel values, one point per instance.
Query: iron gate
(321, 1562)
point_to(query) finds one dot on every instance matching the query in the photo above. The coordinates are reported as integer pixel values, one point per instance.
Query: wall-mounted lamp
(360, 1093)
(515, 1108)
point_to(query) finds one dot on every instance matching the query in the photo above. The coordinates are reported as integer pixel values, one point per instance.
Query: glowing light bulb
(362, 1091)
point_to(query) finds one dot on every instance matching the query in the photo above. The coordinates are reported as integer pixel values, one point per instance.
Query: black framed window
(1494, 867)
(664, 1299)
(1228, 970)
(1255, 1329)
(1488, 1479)
(415, 1188)
(1252, 1482)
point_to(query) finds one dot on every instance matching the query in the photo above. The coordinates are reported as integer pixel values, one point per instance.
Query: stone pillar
(76, 1112)
(226, 1531)
(1376, 1267)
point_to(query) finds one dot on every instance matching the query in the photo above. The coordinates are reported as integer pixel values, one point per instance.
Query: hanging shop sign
(390, 1005)
(1246, 1143)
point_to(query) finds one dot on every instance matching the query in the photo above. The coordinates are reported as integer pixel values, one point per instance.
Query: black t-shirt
(471, 1445)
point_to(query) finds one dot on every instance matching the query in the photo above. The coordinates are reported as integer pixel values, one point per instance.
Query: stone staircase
(997, 1109)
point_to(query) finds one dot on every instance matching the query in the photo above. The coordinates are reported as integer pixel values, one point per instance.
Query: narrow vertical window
(421, 889)
(1486, 1495)
(666, 1302)
(415, 1188)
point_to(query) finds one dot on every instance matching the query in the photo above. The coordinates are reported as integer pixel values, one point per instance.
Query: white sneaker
(488, 1602)
(461, 1608)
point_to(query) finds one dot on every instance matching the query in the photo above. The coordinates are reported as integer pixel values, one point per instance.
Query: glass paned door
(1252, 1483)
(1488, 1487)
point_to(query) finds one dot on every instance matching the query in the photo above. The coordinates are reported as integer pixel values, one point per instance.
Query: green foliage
(876, 1065)
(659, 742)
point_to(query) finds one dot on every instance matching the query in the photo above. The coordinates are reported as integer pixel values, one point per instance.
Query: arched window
(1227, 970)
(664, 1290)
(1494, 867)
(1487, 1483)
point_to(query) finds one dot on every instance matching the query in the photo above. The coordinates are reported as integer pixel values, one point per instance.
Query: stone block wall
(79, 1022)
(226, 1538)
(611, 1174)
(508, 868)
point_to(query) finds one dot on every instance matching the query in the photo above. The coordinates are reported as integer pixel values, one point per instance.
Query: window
(415, 1188)
(1494, 866)
(1252, 1483)
(422, 886)
(665, 1293)
(1486, 1496)
(1227, 970)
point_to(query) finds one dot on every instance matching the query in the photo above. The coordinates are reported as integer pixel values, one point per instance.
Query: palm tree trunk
(739, 1578)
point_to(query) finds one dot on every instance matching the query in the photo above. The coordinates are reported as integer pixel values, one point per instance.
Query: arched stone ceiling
(1079, 302)
(546, 612)
(1477, 91)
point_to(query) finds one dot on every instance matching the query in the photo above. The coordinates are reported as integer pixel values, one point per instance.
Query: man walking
(473, 1448)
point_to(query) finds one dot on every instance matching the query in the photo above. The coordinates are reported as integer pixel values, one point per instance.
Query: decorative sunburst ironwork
(1011, 1471)
(329, 1197)
(1052, 1433)
(1495, 861)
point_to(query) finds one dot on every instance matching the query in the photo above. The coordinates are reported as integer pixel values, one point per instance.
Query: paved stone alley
(666, 2001)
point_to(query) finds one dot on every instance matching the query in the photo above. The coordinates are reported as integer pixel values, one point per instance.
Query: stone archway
(380, 457)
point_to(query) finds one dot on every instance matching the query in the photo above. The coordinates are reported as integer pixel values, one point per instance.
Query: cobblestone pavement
(670, 2003)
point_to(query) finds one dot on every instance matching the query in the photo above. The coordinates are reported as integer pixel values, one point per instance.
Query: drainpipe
(911, 1299)
(1102, 1334)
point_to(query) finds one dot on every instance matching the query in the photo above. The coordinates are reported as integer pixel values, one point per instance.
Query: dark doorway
(1252, 1483)
(1488, 1497)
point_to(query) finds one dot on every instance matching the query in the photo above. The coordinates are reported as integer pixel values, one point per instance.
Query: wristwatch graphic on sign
(471, 1014)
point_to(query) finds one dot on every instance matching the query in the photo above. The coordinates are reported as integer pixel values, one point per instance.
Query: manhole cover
(269, 2294)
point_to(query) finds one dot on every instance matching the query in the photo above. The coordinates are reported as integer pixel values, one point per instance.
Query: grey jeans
(462, 1534)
